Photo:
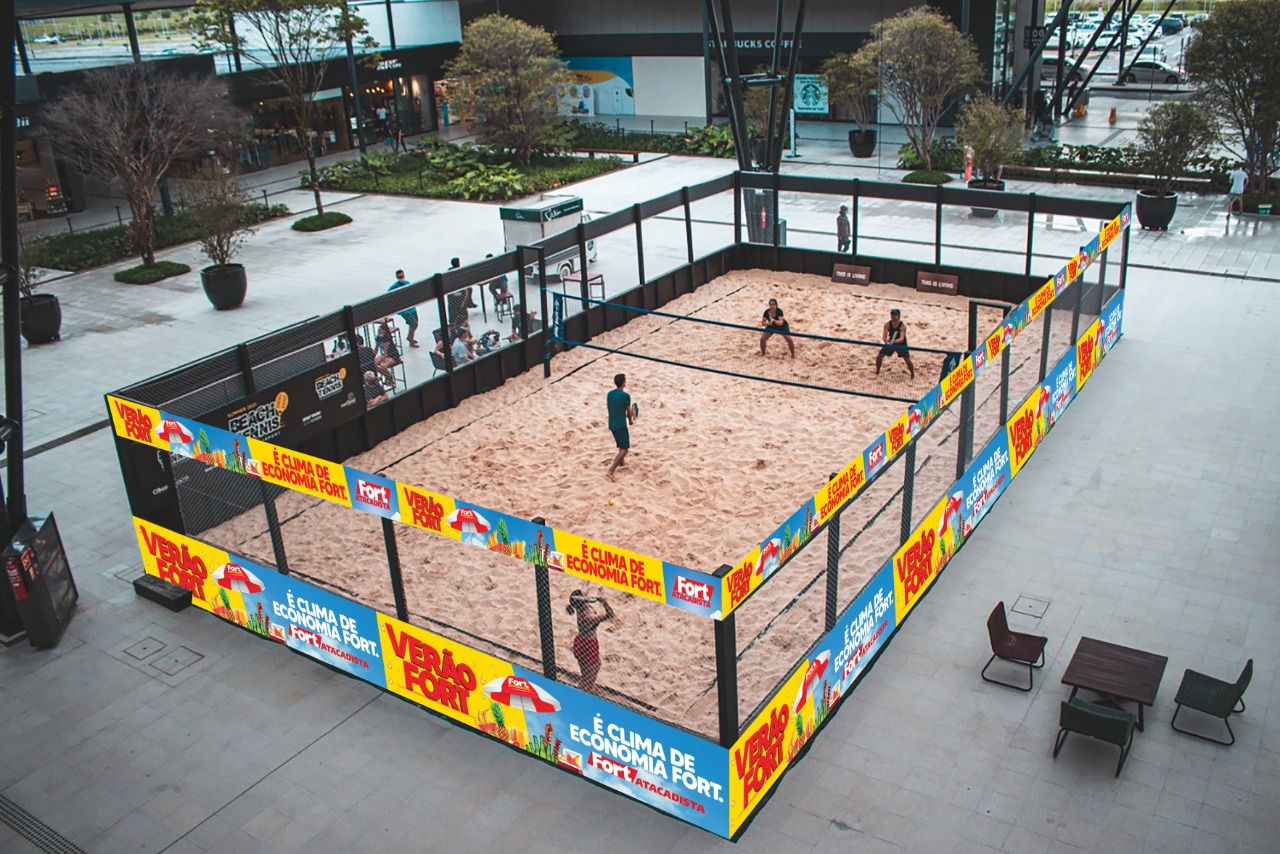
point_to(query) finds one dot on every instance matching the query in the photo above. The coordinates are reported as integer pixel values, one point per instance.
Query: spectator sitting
(374, 393)
(340, 348)
(386, 342)
(461, 349)
(371, 360)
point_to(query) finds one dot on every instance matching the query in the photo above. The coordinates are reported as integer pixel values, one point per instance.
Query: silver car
(1152, 71)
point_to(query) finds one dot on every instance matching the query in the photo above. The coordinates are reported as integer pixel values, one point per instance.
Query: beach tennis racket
(635, 411)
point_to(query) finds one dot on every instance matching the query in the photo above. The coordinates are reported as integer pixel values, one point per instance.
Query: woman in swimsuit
(586, 646)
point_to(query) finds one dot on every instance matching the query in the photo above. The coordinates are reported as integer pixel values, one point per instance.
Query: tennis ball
(610, 502)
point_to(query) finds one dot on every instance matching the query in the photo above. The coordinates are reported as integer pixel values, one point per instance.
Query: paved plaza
(1147, 518)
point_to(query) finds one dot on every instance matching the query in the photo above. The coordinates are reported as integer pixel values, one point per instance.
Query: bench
(613, 152)
(1114, 726)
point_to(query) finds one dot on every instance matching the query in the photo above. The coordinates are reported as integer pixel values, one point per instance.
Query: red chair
(1013, 646)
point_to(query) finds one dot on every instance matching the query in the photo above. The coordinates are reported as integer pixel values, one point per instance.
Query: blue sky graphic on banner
(649, 761)
(788, 539)
(1112, 322)
(691, 590)
(373, 494)
(1060, 385)
(983, 482)
(864, 628)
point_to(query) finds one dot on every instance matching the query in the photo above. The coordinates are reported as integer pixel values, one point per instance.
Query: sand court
(717, 463)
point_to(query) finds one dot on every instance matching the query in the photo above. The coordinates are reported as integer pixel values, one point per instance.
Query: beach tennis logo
(262, 421)
(327, 385)
(694, 592)
(373, 494)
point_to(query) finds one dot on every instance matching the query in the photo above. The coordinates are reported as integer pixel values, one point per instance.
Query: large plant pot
(1154, 210)
(224, 285)
(986, 184)
(862, 143)
(41, 318)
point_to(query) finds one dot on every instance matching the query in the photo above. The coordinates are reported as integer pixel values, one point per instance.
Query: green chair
(1213, 697)
(1114, 726)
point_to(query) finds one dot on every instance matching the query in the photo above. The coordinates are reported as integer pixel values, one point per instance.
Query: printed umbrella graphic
(235, 577)
(954, 503)
(521, 694)
(1043, 403)
(817, 667)
(769, 555)
(171, 431)
(467, 521)
(913, 421)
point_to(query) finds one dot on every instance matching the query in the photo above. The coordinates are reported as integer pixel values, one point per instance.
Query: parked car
(1049, 70)
(1152, 71)
(1156, 52)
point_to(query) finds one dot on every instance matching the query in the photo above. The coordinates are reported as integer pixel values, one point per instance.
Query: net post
(1075, 312)
(582, 270)
(688, 223)
(546, 633)
(833, 565)
(737, 207)
(964, 447)
(1045, 343)
(937, 229)
(909, 488)
(1005, 353)
(521, 281)
(1031, 230)
(273, 526)
(726, 673)
(546, 318)
(1124, 258)
(853, 229)
(636, 218)
(393, 566)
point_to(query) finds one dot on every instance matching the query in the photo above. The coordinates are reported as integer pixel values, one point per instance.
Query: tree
(1234, 57)
(852, 79)
(1171, 134)
(130, 124)
(925, 66)
(216, 204)
(993, 132)
(514, 72)
(293, 42)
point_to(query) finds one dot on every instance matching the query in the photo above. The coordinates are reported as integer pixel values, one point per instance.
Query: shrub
(926, 176)
(320, 222)
(945, 154)
(141, 275)
(488, 182)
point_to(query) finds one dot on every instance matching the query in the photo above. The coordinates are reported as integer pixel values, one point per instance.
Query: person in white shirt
(1238, 179)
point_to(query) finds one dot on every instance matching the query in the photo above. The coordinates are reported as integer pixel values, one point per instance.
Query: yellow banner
(608, 565)
(835, 493)
(427, 510)
(764, 751)
(896, 437)
(1042, 299)
(1025, 428)
(1088, 353)
(917, 563)
(446, 677)
(1110, 232)
(188, 563)
(741, 580)
(299, 472)
(140, 423)
(958, 380)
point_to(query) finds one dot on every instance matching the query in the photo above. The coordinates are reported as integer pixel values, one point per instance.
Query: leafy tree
(1170, 135)
(293, 42)
(1234, 57)
(217, 204)
(130, 123)
(994, 132)
(514, 72)
(925, 66)
(852, 79)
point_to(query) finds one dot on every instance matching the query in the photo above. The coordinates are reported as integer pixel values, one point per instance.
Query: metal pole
(853, 230)
(546, 631)
(635, 216)
(727, 674)
(1031, 231)
(706, 65)
(833, 566)
(546, 318)
(1045, 342)
(355, 95)
(737, 208)
(393, 565)
(273, 527)
(1075, 313)
(134, 48)
(908, 491)
(688, 223)
(16, 496)
(937, 230)
(22, 51)
(1124, 259)
(391, 26)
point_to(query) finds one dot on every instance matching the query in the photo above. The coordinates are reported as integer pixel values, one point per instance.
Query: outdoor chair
(1213, 697)
(1013, 646)
(1114, 726)
(503, 299)
(438, 363)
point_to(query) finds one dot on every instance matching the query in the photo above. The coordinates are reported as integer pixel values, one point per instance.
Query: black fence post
(546, 633)
(853, 230)
(393, 565)
(1124, 258)
(268, 500)
(522, 307)
(636, 217)
(937, 227)
(833, 566)
(1031, 230)
(547, 329)
(688, 223)
(1045, 342)
(737, 208)
(727, 674)
(909, 487)
(776, 213)
(1075, 311)
(1004, 391)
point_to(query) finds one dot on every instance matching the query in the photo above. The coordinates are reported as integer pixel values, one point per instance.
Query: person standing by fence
(844, 234)
(409, 315)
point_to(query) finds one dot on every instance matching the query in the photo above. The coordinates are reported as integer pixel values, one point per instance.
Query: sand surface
(716, 464)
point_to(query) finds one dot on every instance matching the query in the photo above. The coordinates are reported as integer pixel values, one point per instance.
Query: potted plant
(1168, 137)
(851, 83)
(217, 206)
(41, 313)
(993, 133)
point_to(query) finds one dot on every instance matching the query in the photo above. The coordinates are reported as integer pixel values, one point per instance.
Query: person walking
(401, 144)
(621, 414)
(844, 234)
(1239, 178)
(409, 315)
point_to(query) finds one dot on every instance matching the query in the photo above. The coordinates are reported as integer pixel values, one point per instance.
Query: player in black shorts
(774, 321)
(895, 342)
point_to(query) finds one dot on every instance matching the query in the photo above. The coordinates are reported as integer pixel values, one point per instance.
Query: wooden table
(594, 280)
(1115, 671)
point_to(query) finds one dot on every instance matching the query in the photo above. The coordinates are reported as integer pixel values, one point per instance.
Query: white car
(1152, 71)
(51, 38)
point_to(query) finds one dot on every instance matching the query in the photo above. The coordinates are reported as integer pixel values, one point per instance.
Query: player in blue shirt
(621, 414)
